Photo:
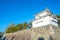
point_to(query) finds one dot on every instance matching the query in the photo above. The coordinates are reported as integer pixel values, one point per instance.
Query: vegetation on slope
(14, 28)
(58, 20)
(58, 16)
(1, 34)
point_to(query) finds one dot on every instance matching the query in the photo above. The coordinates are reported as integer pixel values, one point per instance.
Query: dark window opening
(40, 38)
(55, 21)
(51, 38)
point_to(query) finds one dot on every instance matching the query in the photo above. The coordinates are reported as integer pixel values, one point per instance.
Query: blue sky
(19, 11)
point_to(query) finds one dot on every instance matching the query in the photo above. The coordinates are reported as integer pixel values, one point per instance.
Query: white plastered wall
(40, 15)
(41, 22)
(53, 23)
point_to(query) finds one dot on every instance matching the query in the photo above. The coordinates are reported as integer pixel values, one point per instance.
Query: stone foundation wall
(44, 33)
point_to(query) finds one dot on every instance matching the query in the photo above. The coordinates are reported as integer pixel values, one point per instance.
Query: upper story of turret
(45, 13)
(44, 18)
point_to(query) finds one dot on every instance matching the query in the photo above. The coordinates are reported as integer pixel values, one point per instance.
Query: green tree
(19, 27)
(25, 25)
(1, 34)
(30, 24)
(58, 16)
(58, 20)
(12, 28)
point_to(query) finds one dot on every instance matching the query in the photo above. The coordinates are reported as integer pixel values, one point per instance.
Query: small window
(54, 21)
(51, 38)
(40, 38)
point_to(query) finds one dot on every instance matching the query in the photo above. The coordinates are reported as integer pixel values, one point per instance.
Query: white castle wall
(53, 23)
(41, 22)
(44, 21)
(45, 18)
(40, 15)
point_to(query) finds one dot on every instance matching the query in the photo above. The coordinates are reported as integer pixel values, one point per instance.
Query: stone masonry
(48, 32)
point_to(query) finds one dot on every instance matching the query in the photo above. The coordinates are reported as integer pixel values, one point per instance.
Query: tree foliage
(25, 25)
(58, 16)
(58, 20)
(30, 24)
(59, 23)
(1, 34)
(14, 28)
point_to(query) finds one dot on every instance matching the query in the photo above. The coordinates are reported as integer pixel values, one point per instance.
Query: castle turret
(44, 18)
